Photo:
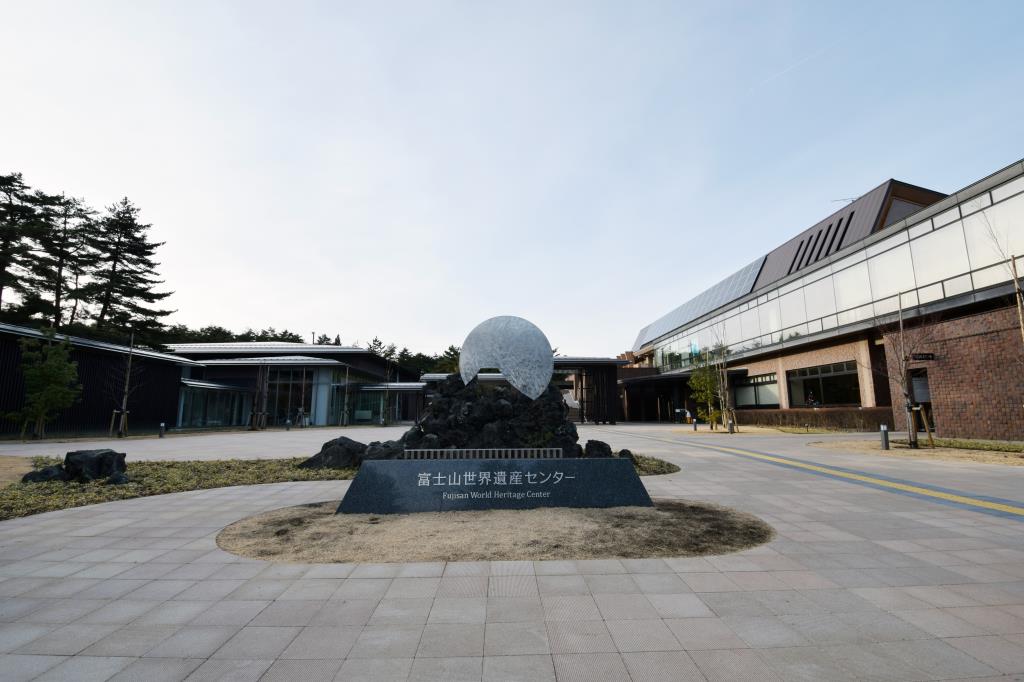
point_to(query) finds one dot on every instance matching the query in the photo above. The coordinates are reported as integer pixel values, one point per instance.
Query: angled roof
(740, 283)
(98, 345)
(261, 347)
(274, 360)
(884, 205)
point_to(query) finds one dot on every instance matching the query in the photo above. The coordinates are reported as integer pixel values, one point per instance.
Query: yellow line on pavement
(960, 499)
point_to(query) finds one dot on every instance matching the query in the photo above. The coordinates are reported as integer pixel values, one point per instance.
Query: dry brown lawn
(315, 534)
(925, 452)
(13, 468)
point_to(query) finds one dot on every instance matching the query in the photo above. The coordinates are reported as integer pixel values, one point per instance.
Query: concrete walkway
(276, 444)
(861, 582)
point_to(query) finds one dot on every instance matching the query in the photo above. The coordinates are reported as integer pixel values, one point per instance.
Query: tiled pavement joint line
(994, 506)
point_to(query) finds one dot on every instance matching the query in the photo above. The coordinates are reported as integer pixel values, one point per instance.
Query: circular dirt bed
(315, 534)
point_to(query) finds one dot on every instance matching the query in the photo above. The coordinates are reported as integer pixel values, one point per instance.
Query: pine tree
(448, 361)
(17, 225)
(51, 382)
(124, 280)
(61, 258)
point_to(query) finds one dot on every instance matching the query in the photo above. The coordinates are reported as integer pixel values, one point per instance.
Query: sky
(407, 170)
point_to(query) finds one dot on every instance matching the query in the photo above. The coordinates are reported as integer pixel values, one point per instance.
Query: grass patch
(652, 466)
(155, 478)
(159, 478)
(315, 534)
(967, 444)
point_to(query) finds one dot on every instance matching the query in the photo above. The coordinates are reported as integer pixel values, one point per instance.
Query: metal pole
(344, 417)
(123, 428)
(905, 374)
(884, 432)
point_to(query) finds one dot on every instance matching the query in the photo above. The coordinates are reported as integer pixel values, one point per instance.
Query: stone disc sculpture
(517, 347)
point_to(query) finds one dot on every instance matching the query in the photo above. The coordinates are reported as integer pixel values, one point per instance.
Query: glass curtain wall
(963, 249)
(289, 394)
(201, 407)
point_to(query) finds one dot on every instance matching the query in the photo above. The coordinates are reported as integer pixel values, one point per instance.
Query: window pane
(842, 389)
(768, 394)
(748, 322)
(820, 298)
(745, 396)
(792, 309)
(769, 317)
(891, 272)
(852, 287)
(940, 254)
(733, 334)
(995, 234)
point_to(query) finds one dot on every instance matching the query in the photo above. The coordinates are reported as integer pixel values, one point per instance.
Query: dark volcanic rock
(389, 449)
(54, 473)
(597, 448)
(627, 454)
(117, 479)
(493, 416)
(340, 453)
(90, 465)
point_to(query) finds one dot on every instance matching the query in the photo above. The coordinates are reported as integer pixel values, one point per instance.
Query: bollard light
(287, 424)
(163, 429)
(884, 432)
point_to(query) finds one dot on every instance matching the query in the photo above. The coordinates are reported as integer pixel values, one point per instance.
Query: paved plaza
(882, 569)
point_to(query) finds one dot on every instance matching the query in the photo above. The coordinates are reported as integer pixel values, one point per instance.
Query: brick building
(808, 332)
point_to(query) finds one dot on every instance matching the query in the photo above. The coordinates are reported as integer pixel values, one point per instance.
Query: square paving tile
(512, 639)
(571, 608)
(229, 670)
(579, 637)
(458, 610)
(737, 664)
(131, 640)
(230, 613)
(158, 670)
(67, 640)
(514, 609)
(590, 667)
(386, 641)
(661, 666)
(402, 612)
(338, 612)
(291, 612)
(23, 667)
(457, 669)
(194, 641)
(375, 670)
(704, 633)
(86, 669)
(538, 668)
(319, 670)
(679, 606)
(258, 642)
(642, 635)
(625, 607)
(447, 640)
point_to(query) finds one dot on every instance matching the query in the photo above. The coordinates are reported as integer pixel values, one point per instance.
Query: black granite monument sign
(404, 486)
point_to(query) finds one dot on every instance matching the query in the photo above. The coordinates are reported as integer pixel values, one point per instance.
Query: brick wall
(976, 379)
